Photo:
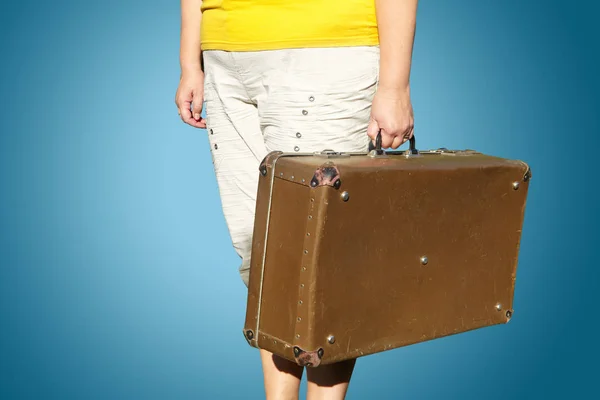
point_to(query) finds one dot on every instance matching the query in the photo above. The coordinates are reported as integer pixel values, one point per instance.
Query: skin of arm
(391, 111)
(190, 92)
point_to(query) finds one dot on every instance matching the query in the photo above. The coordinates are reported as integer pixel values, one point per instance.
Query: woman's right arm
(190, 92)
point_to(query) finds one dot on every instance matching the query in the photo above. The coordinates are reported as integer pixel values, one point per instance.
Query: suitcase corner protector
(327, 174)
(508, 315)
(250, 337)
(308, 358)
(268, 160)
(528, 174)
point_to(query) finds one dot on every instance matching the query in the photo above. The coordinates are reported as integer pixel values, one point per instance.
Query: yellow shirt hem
(290, 44)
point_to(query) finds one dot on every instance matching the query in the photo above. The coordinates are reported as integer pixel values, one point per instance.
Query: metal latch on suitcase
(445, 151)
(331, 153)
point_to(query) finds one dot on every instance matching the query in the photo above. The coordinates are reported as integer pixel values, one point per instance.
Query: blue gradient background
(117, 278)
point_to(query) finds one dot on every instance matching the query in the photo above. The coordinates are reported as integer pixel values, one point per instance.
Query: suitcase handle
(379, 151)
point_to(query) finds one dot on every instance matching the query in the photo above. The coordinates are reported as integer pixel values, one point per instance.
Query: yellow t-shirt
(251, 25)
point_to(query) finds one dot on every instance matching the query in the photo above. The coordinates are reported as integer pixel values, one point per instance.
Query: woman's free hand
(189, 98)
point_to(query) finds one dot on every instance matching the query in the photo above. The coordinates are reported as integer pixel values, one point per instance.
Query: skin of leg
(237, 148)
(281, 377)
(329, 382)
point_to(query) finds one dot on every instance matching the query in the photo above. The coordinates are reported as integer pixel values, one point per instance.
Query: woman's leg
(237, 147)
(329, 382)
(281, 377)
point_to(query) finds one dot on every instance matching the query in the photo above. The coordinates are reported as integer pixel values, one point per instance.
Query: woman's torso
(252, 25)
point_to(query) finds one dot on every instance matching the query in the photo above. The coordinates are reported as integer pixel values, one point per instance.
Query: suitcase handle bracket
(376, 150)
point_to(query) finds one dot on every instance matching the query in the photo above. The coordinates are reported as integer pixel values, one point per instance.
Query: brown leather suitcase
(355, 254)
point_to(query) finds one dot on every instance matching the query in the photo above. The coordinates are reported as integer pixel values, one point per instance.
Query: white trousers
(293, 100)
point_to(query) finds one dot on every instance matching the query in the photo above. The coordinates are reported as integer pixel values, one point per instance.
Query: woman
(292, 76)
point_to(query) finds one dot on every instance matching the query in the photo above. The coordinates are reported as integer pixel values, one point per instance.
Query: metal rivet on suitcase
(320, 353)
(296, 148)
(331, 339)
(298, 135)
(345, 196)
(249, 334)
(304, 112)
(515, 185)
(298, 335)
(499, 307)
(337, 184)
(508, 314)
(263, 170)
(311, 98)
(296, 351)
(424, 260)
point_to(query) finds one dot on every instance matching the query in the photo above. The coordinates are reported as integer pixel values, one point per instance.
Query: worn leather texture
(356, 254)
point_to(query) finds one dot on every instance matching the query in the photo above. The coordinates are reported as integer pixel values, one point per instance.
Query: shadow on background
(117, 277)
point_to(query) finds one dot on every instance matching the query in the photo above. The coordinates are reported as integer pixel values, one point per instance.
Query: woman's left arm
(392, 111)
